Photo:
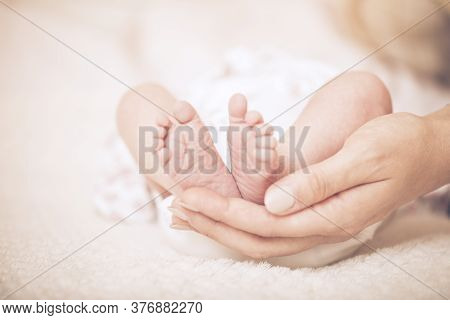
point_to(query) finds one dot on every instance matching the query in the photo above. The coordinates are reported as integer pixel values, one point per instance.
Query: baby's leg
(174, 151)
(331, 116)
(134, 111)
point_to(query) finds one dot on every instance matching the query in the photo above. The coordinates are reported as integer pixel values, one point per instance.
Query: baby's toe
(263, 129)
(237, 108)
(163, 156)
(160, 132)
(158, 135)
(161, 144)
(163, 120)
(253, 117)
(184, 112)
(153, 138)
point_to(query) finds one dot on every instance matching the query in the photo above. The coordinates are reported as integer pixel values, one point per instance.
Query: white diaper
(272, 82)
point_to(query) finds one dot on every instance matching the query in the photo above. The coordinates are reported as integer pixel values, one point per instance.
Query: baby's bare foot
(254, 157)
(184, 155)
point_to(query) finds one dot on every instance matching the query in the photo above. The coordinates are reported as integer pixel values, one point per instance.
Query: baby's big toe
(184, 112)
(237, 108)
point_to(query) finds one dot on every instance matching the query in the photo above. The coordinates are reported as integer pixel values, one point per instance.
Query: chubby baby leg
(331, 116)
(141, 108)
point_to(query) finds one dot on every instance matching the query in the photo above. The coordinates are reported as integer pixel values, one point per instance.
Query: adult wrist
(438, 124)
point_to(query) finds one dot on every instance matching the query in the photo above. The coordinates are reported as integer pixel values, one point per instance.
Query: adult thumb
(313, 184)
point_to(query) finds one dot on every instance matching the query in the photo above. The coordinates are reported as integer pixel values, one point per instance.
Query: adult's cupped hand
(386, 163)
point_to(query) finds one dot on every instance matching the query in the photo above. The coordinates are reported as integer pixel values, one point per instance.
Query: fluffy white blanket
(130, 262)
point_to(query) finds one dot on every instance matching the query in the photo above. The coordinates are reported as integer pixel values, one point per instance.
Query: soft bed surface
(131, 262)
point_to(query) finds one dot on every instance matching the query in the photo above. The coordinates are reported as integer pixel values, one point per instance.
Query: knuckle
(317, 185)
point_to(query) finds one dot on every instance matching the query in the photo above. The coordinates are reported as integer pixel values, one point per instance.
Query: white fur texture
(130, 262)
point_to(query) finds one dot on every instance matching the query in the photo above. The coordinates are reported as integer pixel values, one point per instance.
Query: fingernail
(180, 227)
(279, 200)
(178, 213)
(187, 206)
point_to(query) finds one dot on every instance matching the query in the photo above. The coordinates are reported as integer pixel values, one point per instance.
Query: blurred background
(57, 109)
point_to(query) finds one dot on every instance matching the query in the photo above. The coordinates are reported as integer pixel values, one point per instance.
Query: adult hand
(389, 161)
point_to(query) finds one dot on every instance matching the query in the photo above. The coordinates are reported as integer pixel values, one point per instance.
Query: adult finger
(249, 244)
(346, 213)
(317, 182)
(235, 212)
(340, 215)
